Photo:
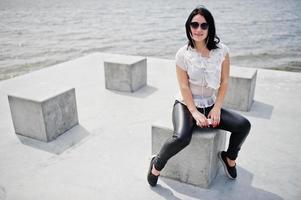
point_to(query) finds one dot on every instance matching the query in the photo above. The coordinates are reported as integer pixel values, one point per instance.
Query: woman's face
(199, 28)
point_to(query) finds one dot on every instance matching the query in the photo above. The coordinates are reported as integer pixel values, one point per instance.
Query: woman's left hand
(214, 115)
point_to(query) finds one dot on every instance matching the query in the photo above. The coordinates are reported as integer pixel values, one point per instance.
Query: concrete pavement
(107, 155)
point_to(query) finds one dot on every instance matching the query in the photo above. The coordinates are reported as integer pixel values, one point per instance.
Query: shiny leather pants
(184, 123)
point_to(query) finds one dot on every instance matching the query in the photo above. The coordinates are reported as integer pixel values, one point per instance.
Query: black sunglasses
(195, 25)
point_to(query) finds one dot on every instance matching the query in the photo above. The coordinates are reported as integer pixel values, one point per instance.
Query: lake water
(38, 33)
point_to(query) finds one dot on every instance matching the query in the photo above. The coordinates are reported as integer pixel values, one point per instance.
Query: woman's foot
(229, 165)
(153, 174)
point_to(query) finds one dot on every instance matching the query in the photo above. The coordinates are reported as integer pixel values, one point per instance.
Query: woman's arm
(224, 83)
(185, 89)
(187, 97)
(221, 93)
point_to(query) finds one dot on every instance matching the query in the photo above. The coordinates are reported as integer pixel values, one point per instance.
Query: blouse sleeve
(180, 59)
(225, 50)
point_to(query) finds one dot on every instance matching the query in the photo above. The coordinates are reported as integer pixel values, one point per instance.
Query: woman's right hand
(200, 119)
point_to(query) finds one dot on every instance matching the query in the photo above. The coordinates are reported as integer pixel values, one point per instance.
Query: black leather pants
(184, 123)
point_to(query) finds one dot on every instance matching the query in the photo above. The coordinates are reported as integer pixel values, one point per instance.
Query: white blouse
(204, 73)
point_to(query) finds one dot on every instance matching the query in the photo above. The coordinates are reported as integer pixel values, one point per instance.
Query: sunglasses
(196, 25)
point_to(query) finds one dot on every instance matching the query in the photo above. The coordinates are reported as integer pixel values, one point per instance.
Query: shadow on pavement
(61, 143)
(140, 93)
(260, 110)
(165, 192)
(222, 188)
(2, 193)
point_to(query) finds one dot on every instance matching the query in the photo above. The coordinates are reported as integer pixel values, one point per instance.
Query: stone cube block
(43, 112)
(125, 73)
(197, 164)
(240, 94)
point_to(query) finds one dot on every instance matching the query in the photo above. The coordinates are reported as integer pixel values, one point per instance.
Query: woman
(202, 69)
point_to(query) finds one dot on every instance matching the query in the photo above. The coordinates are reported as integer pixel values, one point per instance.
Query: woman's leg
(239, 127)
(183, 123)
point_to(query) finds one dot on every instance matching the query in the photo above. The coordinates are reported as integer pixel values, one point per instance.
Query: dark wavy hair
(212, 40)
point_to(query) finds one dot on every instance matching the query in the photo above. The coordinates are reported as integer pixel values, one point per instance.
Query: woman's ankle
(231, 163)
(155, 171)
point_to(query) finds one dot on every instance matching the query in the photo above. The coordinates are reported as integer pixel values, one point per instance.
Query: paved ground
(106, 156)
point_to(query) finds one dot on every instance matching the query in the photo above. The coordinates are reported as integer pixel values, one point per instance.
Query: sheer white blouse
(204, 73)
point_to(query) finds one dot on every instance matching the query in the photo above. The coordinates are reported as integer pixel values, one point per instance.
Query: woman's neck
(200, 46)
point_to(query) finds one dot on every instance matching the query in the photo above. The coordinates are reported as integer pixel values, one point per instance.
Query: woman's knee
(182, 119)
(244, 125)
(182, 141)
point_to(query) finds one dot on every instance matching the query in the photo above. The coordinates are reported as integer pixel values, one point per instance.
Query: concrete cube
(197, 164)
(240, 94)
(125, 73)
(43, 112)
